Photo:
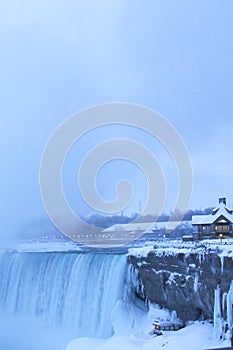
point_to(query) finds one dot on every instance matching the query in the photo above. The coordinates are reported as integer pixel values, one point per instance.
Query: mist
(58, 58)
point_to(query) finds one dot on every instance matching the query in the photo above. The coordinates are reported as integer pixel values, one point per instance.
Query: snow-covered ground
(137, 248)
(132, 329)
(194, 337)
(173, 247)
(39, 246)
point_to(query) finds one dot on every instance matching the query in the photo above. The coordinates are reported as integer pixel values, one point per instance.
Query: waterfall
(72, 291)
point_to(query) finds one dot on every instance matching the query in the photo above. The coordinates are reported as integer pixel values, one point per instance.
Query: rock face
(182, 282)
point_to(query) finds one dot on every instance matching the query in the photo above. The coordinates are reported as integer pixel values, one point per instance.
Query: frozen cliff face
(185, 279)
(223, 313)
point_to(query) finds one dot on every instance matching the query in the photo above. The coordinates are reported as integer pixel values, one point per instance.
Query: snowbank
(223, 249)
(140, 252)
(132, 331)
(194, 337)
(36, 246)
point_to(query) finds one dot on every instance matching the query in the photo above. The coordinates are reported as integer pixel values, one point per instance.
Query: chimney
(222, 200)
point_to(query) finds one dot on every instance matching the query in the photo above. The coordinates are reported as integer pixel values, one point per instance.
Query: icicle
(224, 305)
(173, 316)
(195, 285)
(230, 306)
(218, 322)
(222, 262)
(200, 259)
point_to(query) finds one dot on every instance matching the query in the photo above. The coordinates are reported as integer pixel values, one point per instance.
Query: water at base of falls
(46, 294)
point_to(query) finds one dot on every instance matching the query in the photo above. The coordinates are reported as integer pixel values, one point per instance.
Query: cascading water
(76, 292)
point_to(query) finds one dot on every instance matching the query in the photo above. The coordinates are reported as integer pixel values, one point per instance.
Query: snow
(221, 210)
(148, 226)
(174, 247)
(132, 326)
(172, 278)
(39, 246)
(197, 336)
(140, 252)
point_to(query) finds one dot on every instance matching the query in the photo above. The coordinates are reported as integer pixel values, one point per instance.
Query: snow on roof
(221, 210)
(132, 226)
(198, 219)
(147, 226)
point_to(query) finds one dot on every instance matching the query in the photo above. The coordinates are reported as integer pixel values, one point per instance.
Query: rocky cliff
(184, 279)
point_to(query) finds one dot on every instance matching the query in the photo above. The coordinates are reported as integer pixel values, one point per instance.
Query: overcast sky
(59, 57)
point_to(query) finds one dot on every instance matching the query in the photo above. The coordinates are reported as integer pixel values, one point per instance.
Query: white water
(70, 292)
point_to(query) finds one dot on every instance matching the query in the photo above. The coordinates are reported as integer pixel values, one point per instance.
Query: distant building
(151, 230)
(218, 224)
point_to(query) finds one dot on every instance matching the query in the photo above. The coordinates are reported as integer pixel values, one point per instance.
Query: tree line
(107, 221)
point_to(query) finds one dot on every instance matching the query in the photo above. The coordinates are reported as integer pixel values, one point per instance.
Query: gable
(222, 220)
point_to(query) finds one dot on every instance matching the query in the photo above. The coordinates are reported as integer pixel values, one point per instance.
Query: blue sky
(60, 57)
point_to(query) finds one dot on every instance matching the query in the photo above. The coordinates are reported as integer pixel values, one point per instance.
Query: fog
(58, 58)
(26, 333)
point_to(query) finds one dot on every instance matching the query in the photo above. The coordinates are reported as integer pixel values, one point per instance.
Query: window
(222, 228)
